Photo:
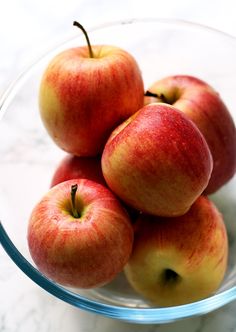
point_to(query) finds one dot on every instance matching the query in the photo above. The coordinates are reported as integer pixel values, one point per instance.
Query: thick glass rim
(134, 315)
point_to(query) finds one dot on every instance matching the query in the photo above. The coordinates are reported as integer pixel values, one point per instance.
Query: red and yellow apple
(157, 161)
(179, 260)
(204, 106)
(73, 167)
(85, 92)
(79, 234)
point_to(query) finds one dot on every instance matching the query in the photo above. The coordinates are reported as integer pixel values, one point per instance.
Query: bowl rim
(134, 315)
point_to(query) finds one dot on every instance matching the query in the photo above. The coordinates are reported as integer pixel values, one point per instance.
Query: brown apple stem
(150, 94)
(75, 213)
(77, 24)
(160, 97)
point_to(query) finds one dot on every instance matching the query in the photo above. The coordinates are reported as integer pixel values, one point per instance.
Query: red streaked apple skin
(157, 161)
(204, 106)
(194, 246)
(83, 99)
(73, 167)
(86, 252)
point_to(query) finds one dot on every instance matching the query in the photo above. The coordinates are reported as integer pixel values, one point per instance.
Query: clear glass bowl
(29, 157)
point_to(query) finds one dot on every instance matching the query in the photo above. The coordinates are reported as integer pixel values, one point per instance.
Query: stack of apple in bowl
(131, 193)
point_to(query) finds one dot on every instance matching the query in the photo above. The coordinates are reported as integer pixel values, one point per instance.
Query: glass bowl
(28, 156)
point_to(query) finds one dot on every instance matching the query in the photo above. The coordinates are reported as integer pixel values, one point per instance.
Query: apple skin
(204, 106)
(179, 260)
(73, 167)
(82, 99)
(83, 252)
(157, 161)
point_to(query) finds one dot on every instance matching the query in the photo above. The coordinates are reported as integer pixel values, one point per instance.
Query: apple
(157, 161)
(204, 106)
(74, 167)
(79, 235)
(179, 260)
(85, 92)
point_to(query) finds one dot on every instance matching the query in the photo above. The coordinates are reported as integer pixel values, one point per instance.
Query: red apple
(179, 260)
(204, 106)
(157, 161)
(80, 239)
(85, 93)
(73, 167)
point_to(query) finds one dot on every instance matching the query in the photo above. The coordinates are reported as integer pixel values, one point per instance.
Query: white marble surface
(28, 28)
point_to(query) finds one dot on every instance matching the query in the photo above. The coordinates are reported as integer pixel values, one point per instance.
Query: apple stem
(73, 193)
(161, 96)
(77, 24)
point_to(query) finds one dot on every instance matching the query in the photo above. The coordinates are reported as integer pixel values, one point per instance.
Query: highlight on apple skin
(73, 167)
(179, 260)
(79, 235)
(204, 106)
(157, 161)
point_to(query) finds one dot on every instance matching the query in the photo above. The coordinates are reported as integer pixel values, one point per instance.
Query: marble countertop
(27, 29)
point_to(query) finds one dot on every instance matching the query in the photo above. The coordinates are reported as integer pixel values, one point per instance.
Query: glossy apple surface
(73, 167)
(86, 250)
(157, 161)
(204, 106)
(179, 260)
(82, 99)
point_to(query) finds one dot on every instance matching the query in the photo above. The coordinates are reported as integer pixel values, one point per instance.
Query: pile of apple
(131, 193)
